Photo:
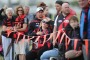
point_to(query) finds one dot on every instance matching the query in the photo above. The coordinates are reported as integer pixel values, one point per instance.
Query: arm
(1, 16)
(1, 11)
(5, 28)
(54, 34)
(55, 30)
(22, 29)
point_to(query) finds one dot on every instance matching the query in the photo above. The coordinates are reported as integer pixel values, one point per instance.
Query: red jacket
(20, 20)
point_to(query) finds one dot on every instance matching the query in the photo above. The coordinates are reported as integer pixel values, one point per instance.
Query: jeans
(50, 53)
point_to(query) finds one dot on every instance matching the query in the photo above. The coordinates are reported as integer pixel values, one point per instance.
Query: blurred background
(33, 4)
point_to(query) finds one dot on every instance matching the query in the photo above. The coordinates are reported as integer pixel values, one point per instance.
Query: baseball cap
(39, 9)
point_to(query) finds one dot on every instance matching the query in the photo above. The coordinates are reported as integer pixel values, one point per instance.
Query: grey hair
(9, 9)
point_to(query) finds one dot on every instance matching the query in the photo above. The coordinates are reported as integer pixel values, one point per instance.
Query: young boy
(72, 31)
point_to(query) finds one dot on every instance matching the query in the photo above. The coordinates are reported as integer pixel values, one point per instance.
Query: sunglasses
(45, 22)
(20, 10)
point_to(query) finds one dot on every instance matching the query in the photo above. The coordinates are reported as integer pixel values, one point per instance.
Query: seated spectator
(72, 30)
(39, 47)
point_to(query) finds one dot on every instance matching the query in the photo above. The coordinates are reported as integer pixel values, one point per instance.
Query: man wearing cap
(36, 22)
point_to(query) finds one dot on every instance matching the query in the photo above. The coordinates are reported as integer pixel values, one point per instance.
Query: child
(72, 31)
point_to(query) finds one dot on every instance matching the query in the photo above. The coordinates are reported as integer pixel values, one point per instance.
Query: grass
(1, 58)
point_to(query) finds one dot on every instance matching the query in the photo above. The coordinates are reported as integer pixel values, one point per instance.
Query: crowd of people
(44, 33)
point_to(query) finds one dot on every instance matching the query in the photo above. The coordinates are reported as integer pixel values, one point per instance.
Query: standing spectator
(21, 27)
(8, 24)
(45, 8)
(29, 16)
(58, 5)
(85, 25)
(36, 23)
(64, 18)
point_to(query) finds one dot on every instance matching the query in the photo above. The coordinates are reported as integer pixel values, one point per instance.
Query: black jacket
(33, 25)
(72, 33)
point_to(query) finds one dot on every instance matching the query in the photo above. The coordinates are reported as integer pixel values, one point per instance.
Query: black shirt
(59, 20)
(33, 25)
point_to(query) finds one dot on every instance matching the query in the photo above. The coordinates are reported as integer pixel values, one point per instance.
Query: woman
(21, 27)
(8, 24)
(39, 48)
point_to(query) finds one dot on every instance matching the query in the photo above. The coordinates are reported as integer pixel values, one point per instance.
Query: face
(20, 11)
(89, 1)
(39, 14)
(83, 3)
(73, 24)
(9, 14)
(58, 7)
(26, 10)
(46, 11)
(65, 8)
(44, 24)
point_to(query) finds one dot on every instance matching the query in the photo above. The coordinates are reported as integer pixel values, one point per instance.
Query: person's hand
(5, 7)
(78, 53)
(15, 29)
(9, 28)
(73, 54)
(54, 42)
(39, 33)
(48, 18)
(51, 36)
(18, 26)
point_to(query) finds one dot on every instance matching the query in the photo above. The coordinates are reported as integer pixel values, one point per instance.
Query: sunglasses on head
(45, 22)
